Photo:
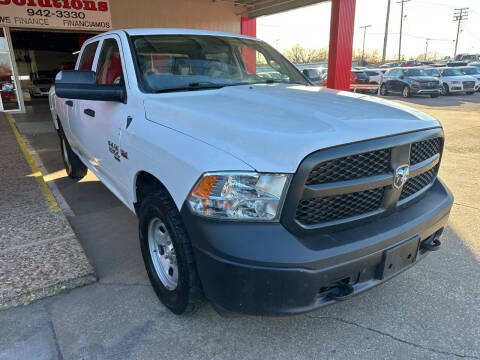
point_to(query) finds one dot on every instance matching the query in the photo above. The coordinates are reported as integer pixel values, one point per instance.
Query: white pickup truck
(253, 188)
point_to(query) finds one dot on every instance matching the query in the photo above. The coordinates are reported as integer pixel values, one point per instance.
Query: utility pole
(384, 55)
(401, 29)
(363, 49)
(459, 15)
(426, 48)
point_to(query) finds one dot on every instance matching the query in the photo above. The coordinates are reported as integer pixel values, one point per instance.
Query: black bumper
(261, 268)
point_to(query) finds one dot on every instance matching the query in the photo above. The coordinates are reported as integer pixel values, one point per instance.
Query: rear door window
(88, 55)
(109, 68)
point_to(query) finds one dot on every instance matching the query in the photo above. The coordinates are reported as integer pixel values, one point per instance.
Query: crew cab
(261, 193)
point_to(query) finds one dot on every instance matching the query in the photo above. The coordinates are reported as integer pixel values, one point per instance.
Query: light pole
(426, 48)
(384, 55)
(459, 15)
(364, 34)
(401, 29)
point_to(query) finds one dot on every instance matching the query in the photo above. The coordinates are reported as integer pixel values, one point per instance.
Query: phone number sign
(91, 15)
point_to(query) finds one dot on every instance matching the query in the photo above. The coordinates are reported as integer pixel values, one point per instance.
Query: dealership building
(38, 38)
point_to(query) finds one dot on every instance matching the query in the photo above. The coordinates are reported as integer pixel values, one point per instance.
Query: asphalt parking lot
(432, 311)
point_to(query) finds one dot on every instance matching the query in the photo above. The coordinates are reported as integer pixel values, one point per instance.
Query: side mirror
(82, 85)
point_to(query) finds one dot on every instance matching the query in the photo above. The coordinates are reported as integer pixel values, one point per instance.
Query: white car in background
(40, 87)
(454, 81)
(472, 71)
(375, 75)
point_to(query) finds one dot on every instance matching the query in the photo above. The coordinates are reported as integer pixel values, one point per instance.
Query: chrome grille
(351, 167)
(469, 84)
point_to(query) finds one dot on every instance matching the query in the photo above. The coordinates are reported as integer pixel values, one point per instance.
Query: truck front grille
(351, 167)
(468, 84)
(332, 208)
(423, 150)
(334, 190)
(417, 183)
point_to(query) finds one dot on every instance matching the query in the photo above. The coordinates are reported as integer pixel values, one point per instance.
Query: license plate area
(398, 257)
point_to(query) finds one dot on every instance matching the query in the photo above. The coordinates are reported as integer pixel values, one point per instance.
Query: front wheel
(445, 90)
(406, 91)
(73, 165)
(383, 90)
(167, 254)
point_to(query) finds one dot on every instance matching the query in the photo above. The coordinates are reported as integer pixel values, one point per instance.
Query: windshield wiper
(279, 81)
(193, 86)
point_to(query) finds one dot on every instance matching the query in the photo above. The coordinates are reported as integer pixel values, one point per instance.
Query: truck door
(105, 120)
(73, 126)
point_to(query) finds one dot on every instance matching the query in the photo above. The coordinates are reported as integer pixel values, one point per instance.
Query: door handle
(89, 112)
(69, 103)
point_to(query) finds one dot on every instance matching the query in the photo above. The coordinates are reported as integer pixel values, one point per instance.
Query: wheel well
(146, 183)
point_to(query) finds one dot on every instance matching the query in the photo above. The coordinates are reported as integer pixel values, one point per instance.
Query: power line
(459, 15)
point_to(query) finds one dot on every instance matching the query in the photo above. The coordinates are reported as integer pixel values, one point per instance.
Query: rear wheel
(470, 92)
(73, 165)
(167, 254)
(383, 90)
(406, 91)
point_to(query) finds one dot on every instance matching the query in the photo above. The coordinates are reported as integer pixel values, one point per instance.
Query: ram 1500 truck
(253, 188)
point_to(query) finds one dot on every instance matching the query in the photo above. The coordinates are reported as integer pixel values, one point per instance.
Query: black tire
(73, 165)
(406, 91)
(470, 92)
(434, 95)
(187, 296)
(445, 90)
(383, 90)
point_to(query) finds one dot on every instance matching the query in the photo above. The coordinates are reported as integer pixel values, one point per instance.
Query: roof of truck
(178, 31)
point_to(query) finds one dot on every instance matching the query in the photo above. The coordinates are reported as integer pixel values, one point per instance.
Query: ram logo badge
(401, 176)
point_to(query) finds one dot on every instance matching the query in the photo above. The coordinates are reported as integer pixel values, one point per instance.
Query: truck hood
(272, 127)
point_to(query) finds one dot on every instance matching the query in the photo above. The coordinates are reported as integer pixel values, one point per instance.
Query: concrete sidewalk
(39, 252)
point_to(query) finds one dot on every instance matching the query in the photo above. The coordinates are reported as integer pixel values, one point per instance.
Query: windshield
(451, 72)
(189, 62)
(470, 71)
(414, 72)
(432, 72)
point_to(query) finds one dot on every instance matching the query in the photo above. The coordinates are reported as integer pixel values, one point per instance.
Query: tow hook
(431, 245)
(341, 291)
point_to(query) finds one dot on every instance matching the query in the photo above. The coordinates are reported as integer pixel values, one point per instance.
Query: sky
(310, 26)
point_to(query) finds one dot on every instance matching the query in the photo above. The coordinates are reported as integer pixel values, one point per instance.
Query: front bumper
(420, 91)
(261, 268)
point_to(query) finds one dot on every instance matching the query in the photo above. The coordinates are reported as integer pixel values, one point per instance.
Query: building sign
(88, 15)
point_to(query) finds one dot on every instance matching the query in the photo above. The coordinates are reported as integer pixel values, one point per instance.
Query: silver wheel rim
(405, 91)
(162, 253)
(383, 90)
(444, 90)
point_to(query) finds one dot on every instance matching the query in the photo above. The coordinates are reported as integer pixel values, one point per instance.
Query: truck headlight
(239, 196)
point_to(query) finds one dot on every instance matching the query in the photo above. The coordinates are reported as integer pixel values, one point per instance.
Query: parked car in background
(412, 63)
(392, 64)
(314, 75)
(476, 64)
(408, 82)
(375, 76)
(467, 57)
(473, 71)
(40, 87)
(359, 77)
(454, 81)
